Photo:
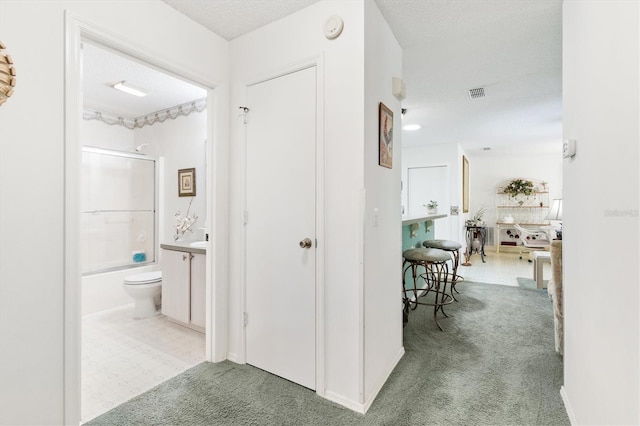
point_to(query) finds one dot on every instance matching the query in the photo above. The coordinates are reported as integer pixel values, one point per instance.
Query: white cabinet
(176, 285)
(183, 288)
(198, 290)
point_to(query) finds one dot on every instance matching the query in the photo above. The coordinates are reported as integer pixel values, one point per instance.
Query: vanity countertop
(183, 246)
(409, 220)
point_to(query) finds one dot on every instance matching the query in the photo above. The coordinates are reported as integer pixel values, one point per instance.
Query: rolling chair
(538, 241)
(535, 240)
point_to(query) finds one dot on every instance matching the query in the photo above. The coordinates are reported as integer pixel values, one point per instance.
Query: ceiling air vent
(476, 93)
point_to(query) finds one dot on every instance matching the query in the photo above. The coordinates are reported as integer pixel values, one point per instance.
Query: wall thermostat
(568, 148)
(333, 26)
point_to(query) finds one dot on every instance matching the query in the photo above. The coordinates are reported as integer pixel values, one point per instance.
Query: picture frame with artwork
(385, 137)
(187, 182)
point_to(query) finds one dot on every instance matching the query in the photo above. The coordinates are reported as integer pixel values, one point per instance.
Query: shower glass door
(118, 216)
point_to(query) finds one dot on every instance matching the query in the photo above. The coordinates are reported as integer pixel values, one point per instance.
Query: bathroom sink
(199, 244)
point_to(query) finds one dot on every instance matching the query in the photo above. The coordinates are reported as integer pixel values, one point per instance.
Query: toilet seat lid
(144, 278)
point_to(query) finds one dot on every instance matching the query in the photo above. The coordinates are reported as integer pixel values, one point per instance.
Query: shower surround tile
(123, 357)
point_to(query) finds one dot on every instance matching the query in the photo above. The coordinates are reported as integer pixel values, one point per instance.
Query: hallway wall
(346, 127)
(32, 186)
(601, 45)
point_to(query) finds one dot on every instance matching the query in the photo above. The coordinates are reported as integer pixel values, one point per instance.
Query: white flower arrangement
(183, 224)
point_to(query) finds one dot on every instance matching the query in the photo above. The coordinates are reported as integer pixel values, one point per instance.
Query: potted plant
(477, 217)
(519, 187)
(432, 207)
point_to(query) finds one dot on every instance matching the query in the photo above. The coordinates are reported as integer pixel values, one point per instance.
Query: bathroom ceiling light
(125, 87)
(410, 127)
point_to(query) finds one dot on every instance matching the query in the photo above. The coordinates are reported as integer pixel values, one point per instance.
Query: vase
(432, 210)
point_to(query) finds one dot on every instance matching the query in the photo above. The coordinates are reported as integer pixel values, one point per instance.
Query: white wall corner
(233, 357)
(567, 406)
(383, 380)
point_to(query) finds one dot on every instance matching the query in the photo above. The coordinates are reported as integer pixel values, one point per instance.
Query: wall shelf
(523, 209)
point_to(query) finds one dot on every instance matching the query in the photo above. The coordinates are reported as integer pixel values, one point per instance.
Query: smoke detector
(476, 93)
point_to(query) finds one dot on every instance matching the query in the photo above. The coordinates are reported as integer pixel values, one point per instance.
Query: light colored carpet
(495, 364)
(530, 284)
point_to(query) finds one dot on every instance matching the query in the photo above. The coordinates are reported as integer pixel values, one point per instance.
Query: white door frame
(316, 61)
(78, 29)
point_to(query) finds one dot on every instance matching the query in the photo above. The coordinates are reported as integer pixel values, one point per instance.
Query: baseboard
(383, 380)
(359, 407)
(567, 406)
(233, 357)
(345, 402)
(421, 291)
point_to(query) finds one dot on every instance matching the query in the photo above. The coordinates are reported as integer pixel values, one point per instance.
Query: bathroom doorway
(128, 217)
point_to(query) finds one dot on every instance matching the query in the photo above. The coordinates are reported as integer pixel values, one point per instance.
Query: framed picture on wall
(385, 155)
(187, 182)
(465, 185)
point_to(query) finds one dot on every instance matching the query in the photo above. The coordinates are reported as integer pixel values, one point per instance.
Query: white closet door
(281, 194)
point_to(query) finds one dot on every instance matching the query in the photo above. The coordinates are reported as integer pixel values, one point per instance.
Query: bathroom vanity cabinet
(183, 286)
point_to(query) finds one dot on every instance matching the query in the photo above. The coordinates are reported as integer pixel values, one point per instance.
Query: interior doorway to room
(281, 227)
(125, 355)
(430, 183)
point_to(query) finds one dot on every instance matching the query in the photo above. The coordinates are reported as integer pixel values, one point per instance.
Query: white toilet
(145, 289)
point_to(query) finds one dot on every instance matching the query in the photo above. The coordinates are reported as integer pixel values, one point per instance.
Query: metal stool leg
(436, 275)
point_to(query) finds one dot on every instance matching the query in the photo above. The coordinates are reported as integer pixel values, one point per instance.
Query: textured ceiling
(512, 48)
(232, 18)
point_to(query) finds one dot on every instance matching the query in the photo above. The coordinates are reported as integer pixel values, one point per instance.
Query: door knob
(306, 243)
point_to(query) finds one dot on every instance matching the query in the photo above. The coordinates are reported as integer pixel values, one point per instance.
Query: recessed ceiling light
(410, 127)
(125, 87)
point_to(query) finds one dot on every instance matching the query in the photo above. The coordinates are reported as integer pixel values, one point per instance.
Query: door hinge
(245, 217)
(245, 319)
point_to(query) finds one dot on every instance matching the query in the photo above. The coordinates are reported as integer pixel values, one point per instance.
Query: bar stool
(436, 275)
(452, 247)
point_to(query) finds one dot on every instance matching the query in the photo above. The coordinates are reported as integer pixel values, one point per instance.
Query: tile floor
(500, 268)
(123, 357)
